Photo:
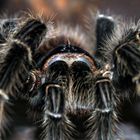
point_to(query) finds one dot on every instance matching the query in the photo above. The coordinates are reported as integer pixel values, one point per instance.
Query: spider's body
(72, 81)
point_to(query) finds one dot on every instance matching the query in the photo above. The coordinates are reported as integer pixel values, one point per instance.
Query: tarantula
(73, 80)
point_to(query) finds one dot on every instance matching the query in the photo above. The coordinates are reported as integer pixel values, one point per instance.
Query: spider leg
(121, 51)
(104, 29)
(16, 61)
(56, 124)
(126, 59)
(16, 55)
(103, 118)
(54, 112)
(4, 98)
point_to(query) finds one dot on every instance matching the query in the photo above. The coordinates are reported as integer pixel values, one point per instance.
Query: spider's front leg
(55, 122)
(104, 117)
(16, 60)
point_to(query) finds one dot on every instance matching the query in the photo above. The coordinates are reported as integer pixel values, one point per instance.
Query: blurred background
(72, 12)
(72, 8)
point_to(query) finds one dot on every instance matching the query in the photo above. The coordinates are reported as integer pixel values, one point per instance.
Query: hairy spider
(72, 79)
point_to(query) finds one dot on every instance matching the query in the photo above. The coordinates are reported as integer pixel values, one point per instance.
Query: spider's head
(64, 71)
(69, 67)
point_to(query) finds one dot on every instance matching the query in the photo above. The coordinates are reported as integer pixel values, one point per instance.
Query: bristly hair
(120, 34)
(5, 114)
(62, 130)
(16, 48)
(98, 28)
(122, 52)
(16, 52)
(103, 120)
(65, 34)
